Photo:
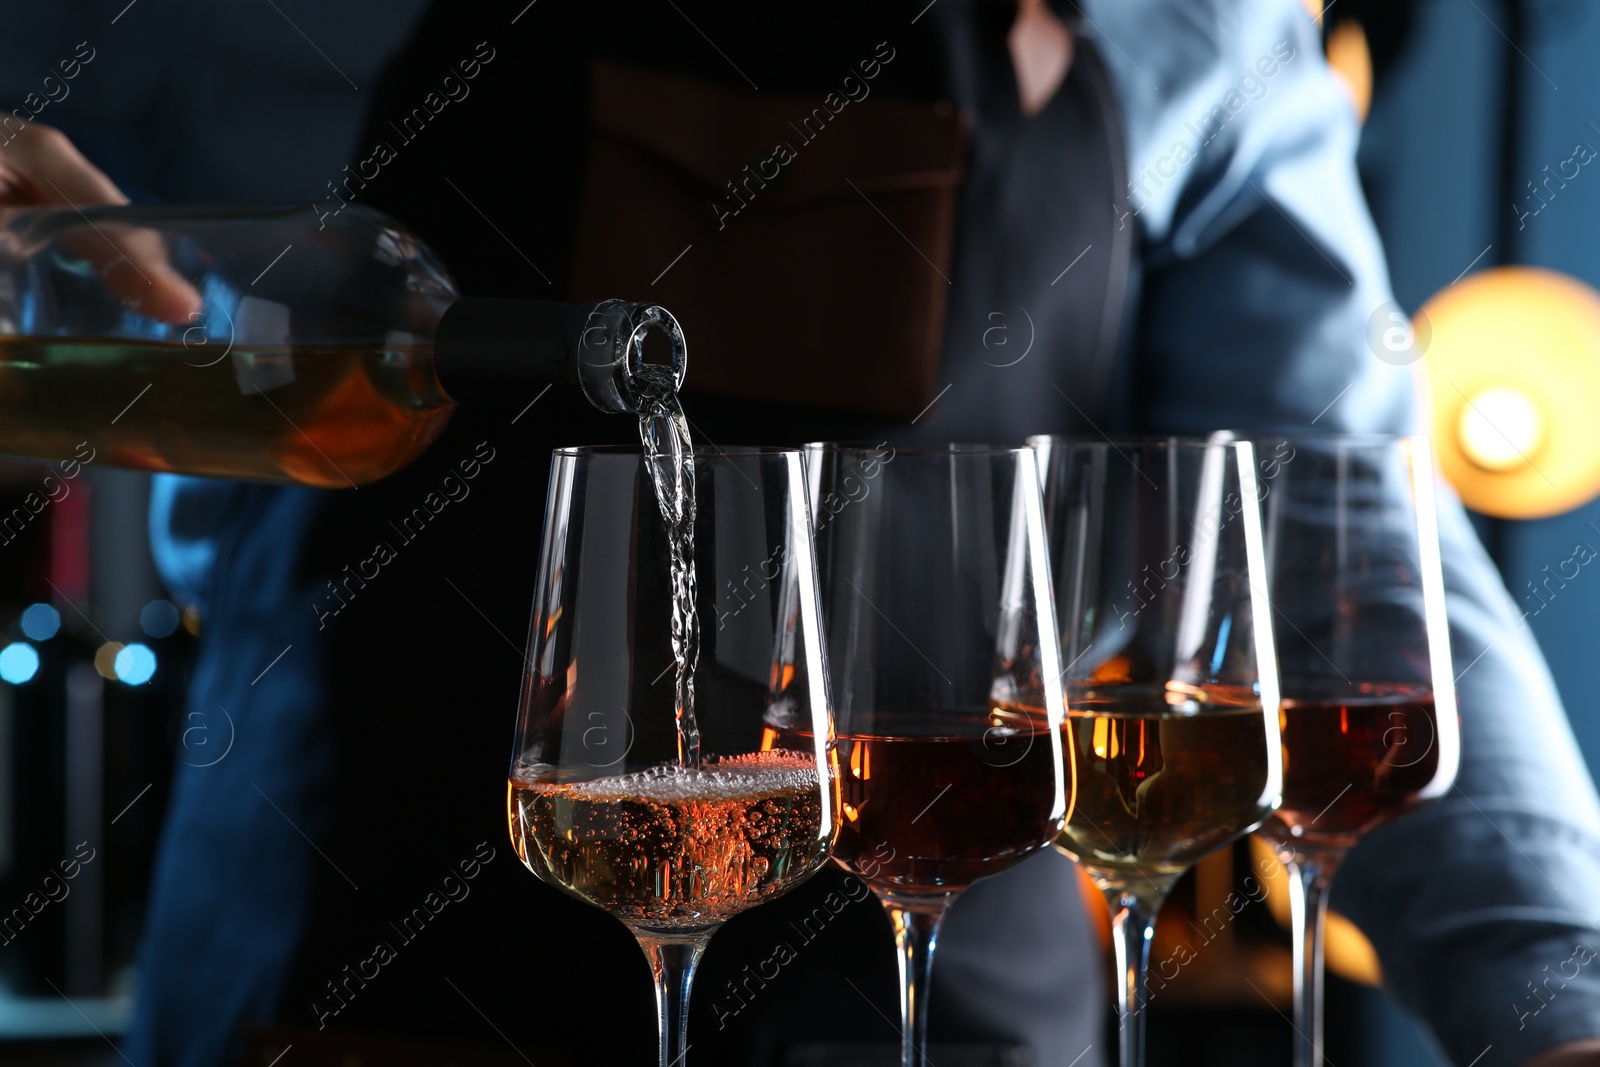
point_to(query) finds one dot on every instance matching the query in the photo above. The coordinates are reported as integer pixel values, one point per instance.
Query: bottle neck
(616, 354)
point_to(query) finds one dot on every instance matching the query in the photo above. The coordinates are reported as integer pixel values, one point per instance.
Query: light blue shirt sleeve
(1262, 278)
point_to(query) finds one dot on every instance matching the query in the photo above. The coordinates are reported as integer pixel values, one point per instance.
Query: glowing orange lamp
(1513, 370)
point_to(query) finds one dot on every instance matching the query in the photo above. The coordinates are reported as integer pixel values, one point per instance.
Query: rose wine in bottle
(271, 345)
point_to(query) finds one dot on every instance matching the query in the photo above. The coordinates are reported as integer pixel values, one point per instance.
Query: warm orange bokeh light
(1507, 333)
(1348, 952)
(1351, 60)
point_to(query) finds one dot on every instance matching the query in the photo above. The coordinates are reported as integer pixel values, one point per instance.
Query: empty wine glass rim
(950, 448)
(1308, 435)
(1221, 437)
(700, 451)
(1329, 437)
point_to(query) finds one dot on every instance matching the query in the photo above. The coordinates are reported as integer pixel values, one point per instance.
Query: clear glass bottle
(269, 344)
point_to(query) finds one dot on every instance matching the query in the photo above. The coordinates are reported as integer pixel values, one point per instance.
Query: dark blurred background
(1465, 103)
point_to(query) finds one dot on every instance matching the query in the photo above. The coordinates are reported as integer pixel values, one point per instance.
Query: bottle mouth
(630, 355)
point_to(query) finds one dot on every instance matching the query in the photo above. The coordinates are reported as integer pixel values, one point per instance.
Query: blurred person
(1181, 268)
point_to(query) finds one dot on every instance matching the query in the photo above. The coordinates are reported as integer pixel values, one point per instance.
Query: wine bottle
(273, 345)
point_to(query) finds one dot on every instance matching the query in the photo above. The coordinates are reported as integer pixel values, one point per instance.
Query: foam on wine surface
(725, 779)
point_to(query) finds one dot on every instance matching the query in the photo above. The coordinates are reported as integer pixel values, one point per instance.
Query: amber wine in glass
(1160, 579)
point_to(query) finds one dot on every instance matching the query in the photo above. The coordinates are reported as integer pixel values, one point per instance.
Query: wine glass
(1369, 720)
(674, 815)
(1172, 686)
(947, 680)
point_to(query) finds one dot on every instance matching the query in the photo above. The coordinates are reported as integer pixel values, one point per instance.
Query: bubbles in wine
(673, 847)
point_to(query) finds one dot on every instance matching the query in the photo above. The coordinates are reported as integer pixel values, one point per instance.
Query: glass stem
(1312, 873)
(916, 931)
(1133, 923)
(672, 964)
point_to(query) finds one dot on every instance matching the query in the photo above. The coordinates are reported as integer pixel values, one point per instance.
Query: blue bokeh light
(159, 618)
(135, 664)
(41, 621)
(19, 662)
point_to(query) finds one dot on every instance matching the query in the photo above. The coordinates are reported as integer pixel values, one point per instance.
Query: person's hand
(40, 167)
(1585, 1053)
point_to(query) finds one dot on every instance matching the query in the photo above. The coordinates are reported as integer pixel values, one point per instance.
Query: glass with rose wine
(643, 778)
(1172, 684)
(947, 681)
(1369, 721)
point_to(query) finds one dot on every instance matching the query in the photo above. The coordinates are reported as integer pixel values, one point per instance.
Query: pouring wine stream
(669, 454)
